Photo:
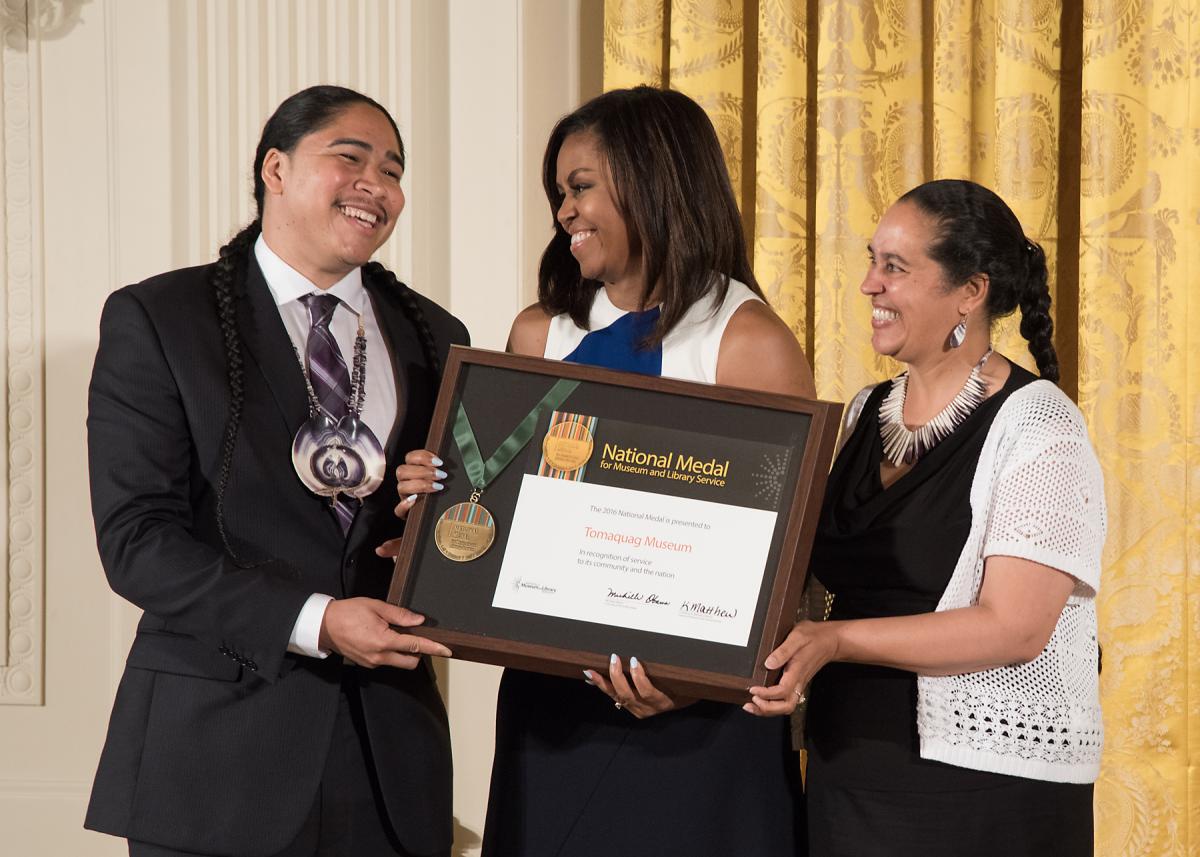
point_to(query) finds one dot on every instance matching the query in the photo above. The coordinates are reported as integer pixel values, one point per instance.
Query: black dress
(575, 777)
(891, 552)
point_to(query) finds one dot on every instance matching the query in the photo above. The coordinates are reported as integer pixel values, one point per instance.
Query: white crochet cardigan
(1037, 494)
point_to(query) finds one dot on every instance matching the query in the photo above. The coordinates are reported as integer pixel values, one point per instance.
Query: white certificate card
(635, 559)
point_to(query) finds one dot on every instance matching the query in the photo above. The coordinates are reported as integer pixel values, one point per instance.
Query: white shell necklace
(901, 446)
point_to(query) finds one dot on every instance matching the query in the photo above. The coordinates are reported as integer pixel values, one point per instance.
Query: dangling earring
(959, 334)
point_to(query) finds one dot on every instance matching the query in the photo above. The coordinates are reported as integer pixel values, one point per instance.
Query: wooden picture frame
(791, 439)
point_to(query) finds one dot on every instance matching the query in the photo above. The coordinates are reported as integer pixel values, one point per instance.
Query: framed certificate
(589, 511)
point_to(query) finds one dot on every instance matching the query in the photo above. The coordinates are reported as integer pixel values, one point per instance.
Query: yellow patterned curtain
(1085, 117)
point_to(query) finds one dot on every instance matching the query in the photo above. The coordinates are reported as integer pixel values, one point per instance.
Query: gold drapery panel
(1139, 385)
(1085, 117)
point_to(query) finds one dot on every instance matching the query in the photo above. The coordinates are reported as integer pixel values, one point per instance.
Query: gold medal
(465, 531)
(567, 445)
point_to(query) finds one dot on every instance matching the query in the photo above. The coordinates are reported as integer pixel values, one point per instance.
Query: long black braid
(979, 234)
(1036, 324)
(227, 276)
(299, 115)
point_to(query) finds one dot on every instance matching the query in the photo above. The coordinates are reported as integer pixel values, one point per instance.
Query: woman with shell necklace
(955, 705)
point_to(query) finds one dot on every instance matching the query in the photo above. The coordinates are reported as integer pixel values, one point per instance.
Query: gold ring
(800, 698)
(618, 705)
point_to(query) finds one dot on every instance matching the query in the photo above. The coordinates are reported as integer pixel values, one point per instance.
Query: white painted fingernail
(587, 675)
(613, 659)
(439, 474)
(437, 462)
(409, 499)
(633, 663)
(438, 486)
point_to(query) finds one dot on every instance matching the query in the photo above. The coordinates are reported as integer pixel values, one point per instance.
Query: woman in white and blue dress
(646, 272)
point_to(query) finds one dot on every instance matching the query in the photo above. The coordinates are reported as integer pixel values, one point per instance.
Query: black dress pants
(348, 818)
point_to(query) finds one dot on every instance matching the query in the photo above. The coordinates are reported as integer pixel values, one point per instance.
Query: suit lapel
(270, 348)
(400, 341)
(406, 354)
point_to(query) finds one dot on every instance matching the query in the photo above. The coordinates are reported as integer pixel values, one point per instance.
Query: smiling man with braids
(227, 403)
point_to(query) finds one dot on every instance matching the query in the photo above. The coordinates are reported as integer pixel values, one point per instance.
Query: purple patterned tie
(329, 377)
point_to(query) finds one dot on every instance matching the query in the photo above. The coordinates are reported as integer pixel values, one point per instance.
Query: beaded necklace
(334, 457)
(902, 446)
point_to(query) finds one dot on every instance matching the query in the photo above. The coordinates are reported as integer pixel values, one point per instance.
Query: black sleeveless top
(890, 552)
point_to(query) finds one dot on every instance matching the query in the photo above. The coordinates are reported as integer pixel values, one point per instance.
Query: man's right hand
(359, 629)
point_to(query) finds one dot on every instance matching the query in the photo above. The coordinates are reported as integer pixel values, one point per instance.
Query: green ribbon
(482, 473)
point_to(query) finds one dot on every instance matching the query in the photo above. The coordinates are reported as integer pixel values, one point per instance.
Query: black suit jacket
(218, 735)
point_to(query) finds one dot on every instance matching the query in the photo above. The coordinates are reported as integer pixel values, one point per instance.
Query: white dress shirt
(287, 286)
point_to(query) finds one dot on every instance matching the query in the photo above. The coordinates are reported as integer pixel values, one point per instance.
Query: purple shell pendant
(338, 458)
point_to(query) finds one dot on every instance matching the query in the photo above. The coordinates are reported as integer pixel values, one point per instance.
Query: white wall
(129, 127)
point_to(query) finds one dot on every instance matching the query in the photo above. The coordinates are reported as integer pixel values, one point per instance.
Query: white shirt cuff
(306, 633)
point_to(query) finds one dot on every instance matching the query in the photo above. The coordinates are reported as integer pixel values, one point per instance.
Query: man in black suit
(245, 723)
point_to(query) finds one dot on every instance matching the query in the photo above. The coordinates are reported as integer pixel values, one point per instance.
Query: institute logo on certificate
(654, 529)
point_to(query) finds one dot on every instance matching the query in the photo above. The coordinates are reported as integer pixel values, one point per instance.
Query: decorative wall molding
(22, 472)
(56, 18)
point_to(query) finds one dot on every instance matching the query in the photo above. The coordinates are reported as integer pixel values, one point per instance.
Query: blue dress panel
(573, 775)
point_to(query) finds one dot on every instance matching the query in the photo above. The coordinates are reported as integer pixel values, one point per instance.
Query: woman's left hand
(641, 699)
(808, 647)
(420, 473)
